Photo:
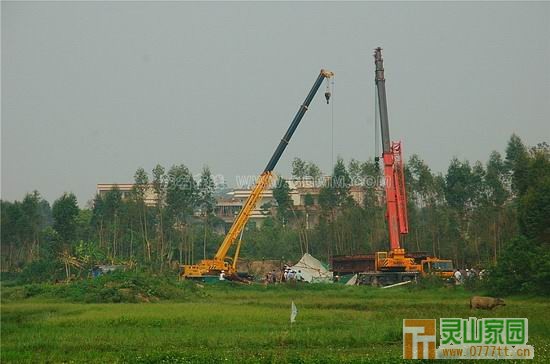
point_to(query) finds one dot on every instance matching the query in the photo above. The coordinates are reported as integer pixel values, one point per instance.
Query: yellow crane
(221, 261)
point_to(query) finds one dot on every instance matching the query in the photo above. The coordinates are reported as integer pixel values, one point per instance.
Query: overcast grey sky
(93, 90)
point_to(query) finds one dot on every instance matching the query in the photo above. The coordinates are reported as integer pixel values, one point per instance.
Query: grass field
(245, 324)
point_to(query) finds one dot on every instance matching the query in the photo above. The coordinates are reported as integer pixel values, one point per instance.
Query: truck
(364, 265)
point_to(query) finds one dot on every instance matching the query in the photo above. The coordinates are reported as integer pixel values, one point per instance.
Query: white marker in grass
(293, 312)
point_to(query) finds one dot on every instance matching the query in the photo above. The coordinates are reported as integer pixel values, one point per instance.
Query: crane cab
(438, 267)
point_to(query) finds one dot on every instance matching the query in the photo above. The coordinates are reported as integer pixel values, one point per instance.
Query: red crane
(394, 265)
(396, 198)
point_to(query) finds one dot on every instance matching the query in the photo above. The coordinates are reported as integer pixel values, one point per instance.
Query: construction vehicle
(221, 261)
(395, 265)
(365, 266)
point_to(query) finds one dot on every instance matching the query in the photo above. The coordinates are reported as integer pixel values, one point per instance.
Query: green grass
(227, 323)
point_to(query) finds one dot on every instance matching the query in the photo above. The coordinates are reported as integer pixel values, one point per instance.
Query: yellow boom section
(209, 267)
(242, 218)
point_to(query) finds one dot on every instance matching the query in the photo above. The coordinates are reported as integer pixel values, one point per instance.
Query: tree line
(474, 213)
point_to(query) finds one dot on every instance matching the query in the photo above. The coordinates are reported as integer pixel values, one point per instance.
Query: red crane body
(396, 198)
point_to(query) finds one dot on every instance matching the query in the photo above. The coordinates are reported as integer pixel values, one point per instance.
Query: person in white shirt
(222, 276)
(458, 277)
(290, 275)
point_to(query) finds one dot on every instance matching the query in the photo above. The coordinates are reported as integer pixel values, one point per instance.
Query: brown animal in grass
(486, 303)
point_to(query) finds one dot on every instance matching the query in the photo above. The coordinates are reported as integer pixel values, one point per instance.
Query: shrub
(119, 286)
(428, 282)
(523, 267)
(42, 271)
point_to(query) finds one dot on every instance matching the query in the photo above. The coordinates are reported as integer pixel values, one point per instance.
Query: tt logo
(419, 339)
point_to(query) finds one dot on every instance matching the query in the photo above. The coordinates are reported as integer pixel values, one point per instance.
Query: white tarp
(312, 270)
(352, 281)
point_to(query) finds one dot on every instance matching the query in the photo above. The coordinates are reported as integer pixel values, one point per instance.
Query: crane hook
(327, 92)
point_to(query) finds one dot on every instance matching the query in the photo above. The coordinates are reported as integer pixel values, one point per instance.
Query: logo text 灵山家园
(472, 338)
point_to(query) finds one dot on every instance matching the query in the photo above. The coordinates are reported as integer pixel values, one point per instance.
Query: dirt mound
(259, 268)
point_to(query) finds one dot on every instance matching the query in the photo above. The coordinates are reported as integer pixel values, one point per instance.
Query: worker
(222, 276)
(285, 275)
(458, 277)
(482, 274)
(299, 276)
(291, 275)
(462, 274)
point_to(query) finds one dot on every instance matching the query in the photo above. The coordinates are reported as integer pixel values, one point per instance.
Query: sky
(91, 91)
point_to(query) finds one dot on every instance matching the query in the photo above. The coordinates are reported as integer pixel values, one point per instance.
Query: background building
(125, 189)
(304, 195)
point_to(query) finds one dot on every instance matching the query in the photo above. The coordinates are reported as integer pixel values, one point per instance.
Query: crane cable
(330, 82)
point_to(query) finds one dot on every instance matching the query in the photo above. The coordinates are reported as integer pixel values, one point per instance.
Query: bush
(428, 282)
(130, 287)
(523, 267)
(126, 287)
(42, 271)
(475, 284)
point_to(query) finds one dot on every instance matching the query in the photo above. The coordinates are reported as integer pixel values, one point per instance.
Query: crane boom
(396, 199)
(265, 177)
(244, 215)
(213, 266)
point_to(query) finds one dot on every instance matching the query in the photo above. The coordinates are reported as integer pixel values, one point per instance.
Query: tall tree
(205, 196)
(181, 198)
(422, 182)
(517, 157)
(355, 171)
(534, 202)
(457, 185)
(139, 191)
(281, 194)
(159, 188)
(113, 205)
(98, 218)
(12, 223)
(32, 214)
(341, 182)
(159, 184)
(65, 211)
(314, 173)
(459, 198)
(333, 199)
(206, 202)
(496, 181)
(299, 169)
